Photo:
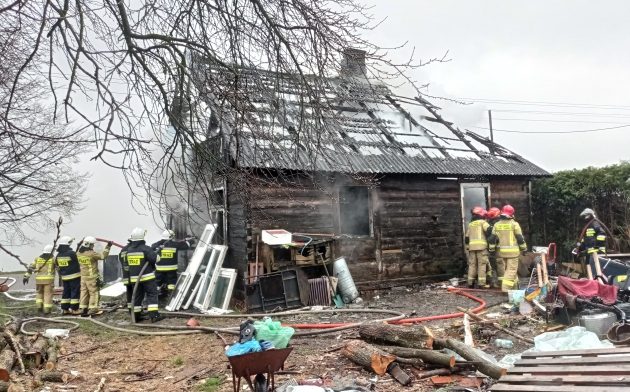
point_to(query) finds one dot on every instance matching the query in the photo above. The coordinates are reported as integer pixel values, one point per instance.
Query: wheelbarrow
(264, 362)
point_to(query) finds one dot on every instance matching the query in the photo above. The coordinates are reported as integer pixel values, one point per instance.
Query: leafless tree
(134, 62)
(38, 181)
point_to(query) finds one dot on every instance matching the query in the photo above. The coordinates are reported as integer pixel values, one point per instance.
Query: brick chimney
(353, 63)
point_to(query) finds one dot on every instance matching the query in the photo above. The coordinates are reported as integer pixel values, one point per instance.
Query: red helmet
(507, 210)
(478, 211)
(493, 213)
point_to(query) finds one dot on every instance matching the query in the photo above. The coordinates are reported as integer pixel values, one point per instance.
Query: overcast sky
(559, 56)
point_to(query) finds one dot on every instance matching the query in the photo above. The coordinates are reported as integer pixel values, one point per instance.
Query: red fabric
(587, 289)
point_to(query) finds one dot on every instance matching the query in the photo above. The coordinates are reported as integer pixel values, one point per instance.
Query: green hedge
(558, 201)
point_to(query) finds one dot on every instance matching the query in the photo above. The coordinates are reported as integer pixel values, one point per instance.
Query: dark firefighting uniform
(138, 255)
(507, 239)
(44, 269)
(166, 266)
(70, 272)
(594, 241)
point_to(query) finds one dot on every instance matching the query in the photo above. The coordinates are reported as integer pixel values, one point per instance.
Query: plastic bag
(573, 338)
(251, 346)
(274, 332)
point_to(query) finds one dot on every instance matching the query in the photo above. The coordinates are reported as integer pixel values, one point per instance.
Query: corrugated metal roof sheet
(350, 125)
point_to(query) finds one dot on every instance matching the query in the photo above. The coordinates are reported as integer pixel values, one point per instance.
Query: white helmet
(89, 241)
(587, 212)
(48, 248)
(168, 234)
(65, 240)
(137, 234)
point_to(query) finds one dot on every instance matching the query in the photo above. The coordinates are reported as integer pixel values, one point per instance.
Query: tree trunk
(374, 359)
(396, 335)
(53, 354)
(52, 376)
(7, 360)
(483, 365)
(427, 356)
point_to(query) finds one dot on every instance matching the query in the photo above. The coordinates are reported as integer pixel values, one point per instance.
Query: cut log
(483, 365)
(396, 335)
(52, 376)
(9, 332)
(52, 354)
(7, 360)
(38, 350)
(434, 372)
(374, 359)
(427, 356)
(368, 356)
(497, 326)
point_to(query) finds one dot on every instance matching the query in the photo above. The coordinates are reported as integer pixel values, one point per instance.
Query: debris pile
(35, 354)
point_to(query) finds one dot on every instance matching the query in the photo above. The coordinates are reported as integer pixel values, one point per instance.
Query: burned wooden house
(386, 175)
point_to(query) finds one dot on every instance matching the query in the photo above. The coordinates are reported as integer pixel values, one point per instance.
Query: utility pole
(491, 132)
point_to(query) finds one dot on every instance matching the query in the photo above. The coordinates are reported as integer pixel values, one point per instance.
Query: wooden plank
(559, 380)
(622, 370)
(553, 388)
(574, 361)
(583, 353)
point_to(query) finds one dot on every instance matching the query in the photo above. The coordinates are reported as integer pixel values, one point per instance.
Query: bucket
(598, 322)
(345, 284)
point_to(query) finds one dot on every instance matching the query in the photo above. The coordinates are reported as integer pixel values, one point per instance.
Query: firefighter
(493, 269)
(166, 267)
(477, 245)
(88, 261)
(44, 269)
(140, 256)
(593, 238)
(122, 258)
(507, 238)
(70, 272)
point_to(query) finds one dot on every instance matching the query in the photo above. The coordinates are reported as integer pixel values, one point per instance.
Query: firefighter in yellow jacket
(477, 248)
(44, 269)
(88, 261)
(508, 241)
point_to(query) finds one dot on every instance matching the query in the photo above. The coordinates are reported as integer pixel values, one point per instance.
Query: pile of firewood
(391, 346)
(27, 355)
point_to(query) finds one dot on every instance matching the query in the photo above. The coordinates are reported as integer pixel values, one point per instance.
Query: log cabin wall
(415, 225)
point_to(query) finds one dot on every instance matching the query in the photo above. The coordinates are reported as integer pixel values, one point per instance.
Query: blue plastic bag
(251, 346)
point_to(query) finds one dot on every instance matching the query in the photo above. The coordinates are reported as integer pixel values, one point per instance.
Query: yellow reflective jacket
(476, 234)
(44, 268)
(507, 236)
(88, 261)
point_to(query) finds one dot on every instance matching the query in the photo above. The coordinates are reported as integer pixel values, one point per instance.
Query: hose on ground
(46, 319)
(6, 293)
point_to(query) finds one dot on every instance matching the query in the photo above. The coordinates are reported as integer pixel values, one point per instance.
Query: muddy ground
(197, 363)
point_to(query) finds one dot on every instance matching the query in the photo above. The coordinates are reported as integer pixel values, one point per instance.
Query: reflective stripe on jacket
(139, 254)
(122, 258)
(44, 268)
(508, 237)
(88, 261)
(476, 234)
(68, 263)
(594, 240)
(168, 252)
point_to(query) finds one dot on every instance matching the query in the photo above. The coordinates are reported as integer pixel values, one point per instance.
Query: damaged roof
(342, 124)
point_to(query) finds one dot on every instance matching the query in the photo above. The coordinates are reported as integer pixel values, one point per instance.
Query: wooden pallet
(602, 370)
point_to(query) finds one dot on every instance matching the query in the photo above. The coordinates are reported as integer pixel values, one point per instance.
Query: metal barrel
(345, 284)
